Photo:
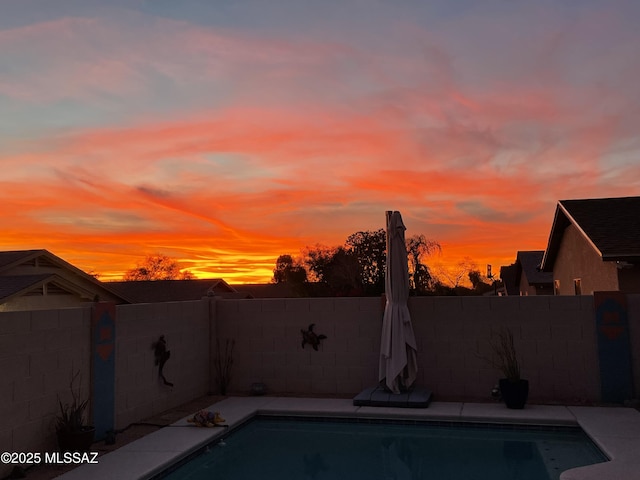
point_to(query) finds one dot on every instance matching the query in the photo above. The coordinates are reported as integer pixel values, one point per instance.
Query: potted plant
(514, 389)
(74, 434)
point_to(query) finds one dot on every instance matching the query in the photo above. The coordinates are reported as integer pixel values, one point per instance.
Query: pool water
(268, 448)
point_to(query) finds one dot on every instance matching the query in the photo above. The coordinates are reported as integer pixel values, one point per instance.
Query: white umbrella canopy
(398, 352)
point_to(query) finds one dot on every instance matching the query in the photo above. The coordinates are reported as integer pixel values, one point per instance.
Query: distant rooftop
(529, 262)
(508, 276)
(267, 290)
(151, 291)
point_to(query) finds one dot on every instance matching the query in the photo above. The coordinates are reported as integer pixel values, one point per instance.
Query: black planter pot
(514, 393)
(78, 441)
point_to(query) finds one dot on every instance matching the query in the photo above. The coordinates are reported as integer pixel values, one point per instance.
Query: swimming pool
(326, 449)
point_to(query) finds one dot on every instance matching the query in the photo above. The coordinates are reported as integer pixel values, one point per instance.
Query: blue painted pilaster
(103, 352)
(614, 346)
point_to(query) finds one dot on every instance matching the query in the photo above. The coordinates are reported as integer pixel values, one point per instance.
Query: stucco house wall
(525, 288)
(577, 259)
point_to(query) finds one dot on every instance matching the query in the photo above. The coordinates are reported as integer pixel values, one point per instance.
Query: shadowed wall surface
(555, 337)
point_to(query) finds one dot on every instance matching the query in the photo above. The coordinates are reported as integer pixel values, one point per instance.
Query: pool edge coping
(615, 430)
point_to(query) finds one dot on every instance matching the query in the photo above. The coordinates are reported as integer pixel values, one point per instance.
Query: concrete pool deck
(615, 430)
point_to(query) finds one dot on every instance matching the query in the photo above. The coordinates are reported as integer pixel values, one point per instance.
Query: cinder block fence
(559, 340)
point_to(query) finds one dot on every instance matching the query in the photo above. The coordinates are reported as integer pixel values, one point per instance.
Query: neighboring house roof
(151, 291)
(285, 290)
(16, 257)
(15, 285)
(267, 290)
(610, 225)
(13, 282)
(528, 262)
(508, 275)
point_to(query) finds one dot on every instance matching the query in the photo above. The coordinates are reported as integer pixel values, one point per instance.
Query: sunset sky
(225, 133)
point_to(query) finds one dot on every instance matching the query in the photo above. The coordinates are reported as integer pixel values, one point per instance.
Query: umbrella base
(417, 397)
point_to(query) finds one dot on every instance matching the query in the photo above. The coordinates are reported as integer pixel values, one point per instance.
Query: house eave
(549, 256)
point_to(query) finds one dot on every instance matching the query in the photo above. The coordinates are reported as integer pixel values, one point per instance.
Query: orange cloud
(293, 180)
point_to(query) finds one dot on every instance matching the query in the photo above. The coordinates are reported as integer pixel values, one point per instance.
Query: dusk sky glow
(225, 133)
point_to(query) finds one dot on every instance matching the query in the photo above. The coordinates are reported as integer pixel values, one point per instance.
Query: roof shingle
(13, 284)
(530, 261)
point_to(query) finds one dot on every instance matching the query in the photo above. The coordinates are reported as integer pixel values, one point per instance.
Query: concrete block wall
(269, 343)
(139, 390)
(39, 351)
(555, 337)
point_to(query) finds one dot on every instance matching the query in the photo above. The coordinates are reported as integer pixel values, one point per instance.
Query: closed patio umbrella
(398, 352)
